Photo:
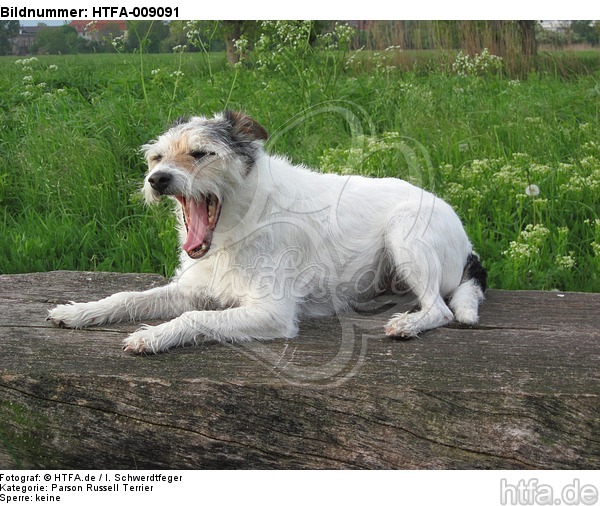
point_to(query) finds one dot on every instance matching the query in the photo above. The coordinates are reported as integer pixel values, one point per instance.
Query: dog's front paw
(143, 340)
(71, 315)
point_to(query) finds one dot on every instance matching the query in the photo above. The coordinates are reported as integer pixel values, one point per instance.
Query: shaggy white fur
(266, 243)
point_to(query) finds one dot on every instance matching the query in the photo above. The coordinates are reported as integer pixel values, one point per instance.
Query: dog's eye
(155, 158)
(198, 155)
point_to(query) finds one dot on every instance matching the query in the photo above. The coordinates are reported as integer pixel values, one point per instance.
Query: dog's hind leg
(465, 300)
(162, 302)
(411, 241)
(256, 321)
(419, 268)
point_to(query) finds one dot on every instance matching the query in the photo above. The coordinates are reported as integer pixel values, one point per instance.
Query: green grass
(71, 127)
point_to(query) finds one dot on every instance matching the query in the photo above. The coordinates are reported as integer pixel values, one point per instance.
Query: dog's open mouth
(200, 217)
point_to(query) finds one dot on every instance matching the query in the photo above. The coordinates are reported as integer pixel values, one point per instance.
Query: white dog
(266, 243)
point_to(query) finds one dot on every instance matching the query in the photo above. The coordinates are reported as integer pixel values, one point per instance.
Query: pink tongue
(197, 225)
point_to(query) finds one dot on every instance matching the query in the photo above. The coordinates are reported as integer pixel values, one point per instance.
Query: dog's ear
(245, 126)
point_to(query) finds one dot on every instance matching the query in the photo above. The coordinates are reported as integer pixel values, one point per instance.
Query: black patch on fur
(180, 121)
(474, 270)
(239, 133)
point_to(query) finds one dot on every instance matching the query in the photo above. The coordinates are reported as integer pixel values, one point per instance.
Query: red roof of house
(81, 25)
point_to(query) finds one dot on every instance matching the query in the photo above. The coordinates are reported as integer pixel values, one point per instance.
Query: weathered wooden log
(519, 390)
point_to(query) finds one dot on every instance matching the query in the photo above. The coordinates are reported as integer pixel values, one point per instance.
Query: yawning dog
(265, 243)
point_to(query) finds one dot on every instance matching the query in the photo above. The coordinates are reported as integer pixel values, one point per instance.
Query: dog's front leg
(162, 302)
(263, 321)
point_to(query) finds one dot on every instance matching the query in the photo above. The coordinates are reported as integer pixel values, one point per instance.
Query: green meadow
(517, 157)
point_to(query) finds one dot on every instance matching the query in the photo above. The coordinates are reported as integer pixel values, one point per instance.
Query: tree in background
(528, 43)
(177, 37)
(109, 31)
(552, 38)
(232, 31)
(148, 33)
(8, 30)
(58, 40)
(586, 32)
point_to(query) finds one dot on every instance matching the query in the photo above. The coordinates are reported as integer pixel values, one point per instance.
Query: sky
(34, 22)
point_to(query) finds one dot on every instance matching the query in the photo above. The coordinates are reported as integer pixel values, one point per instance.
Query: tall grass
(70, 170)
(436, 41)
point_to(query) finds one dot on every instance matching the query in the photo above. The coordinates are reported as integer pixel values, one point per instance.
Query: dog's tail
(465, 300)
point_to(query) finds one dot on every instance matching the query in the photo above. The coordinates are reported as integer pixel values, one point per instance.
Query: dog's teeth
(211, 212)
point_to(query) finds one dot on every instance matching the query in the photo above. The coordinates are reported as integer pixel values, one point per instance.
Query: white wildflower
(118, 43)
(528, 243)
(566, 262)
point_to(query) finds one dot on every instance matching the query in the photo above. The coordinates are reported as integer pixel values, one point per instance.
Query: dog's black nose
(160, 181)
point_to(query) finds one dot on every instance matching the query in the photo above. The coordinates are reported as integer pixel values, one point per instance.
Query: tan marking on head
(180, 145)
(184, 162)
(177, 153)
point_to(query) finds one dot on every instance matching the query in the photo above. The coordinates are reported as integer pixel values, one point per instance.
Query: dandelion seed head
(532, 190)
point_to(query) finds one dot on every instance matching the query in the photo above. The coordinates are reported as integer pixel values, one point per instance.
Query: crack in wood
(139, 420)
(507, 414)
